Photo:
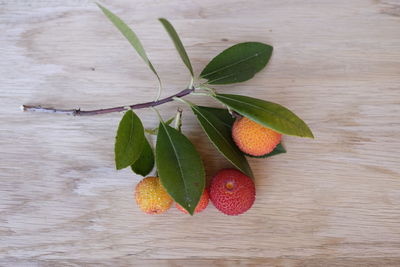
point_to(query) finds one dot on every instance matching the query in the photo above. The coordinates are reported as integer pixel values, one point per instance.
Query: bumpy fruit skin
(232, 192)
(203, 203)
(151, 196)
(254, 139)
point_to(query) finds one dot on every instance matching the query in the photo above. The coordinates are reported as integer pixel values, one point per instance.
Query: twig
(79, 112)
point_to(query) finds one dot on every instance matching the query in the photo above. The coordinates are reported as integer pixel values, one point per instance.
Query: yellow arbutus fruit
(151, 196)
(253, 138)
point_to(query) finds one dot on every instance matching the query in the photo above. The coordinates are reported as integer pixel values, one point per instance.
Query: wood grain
(332, 201)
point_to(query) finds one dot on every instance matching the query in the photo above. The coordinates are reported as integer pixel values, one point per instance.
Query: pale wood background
(332, 201)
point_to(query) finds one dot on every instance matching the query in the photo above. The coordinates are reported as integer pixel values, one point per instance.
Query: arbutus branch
(79, 112)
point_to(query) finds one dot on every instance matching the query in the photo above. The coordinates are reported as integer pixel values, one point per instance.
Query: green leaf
(178, 43)
(220, 135)
(130, 36)
(279, 149)
(269, 114)
(129, 141)
(238, 63)
(222, 114)
(179, 167)
(145, 163)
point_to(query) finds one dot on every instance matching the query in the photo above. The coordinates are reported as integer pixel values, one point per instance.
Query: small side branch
(79, 112)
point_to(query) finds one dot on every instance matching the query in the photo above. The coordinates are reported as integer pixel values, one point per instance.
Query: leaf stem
(208, 89)
(158, 114)
(79, 112)
(191, 82)
(159, 90)
(190, 104)
(202, 94)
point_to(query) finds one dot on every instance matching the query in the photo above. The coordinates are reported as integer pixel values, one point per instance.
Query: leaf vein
(265, 110)
(235, 63)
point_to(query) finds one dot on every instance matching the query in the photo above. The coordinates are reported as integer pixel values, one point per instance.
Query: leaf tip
(99, 5)
(310, 134)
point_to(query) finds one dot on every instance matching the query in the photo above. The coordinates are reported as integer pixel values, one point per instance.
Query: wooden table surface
(332, 201)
